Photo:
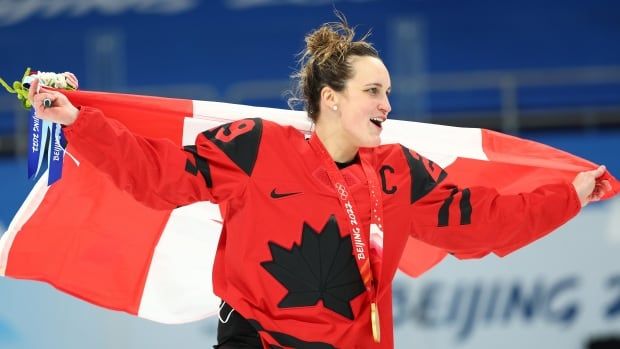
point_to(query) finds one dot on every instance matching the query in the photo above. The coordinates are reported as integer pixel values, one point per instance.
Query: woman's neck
(339, 148)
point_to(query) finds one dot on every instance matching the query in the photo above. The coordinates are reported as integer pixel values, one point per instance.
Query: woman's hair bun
(331, 39)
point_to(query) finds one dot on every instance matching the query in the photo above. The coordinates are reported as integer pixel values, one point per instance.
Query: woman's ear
(329, 98)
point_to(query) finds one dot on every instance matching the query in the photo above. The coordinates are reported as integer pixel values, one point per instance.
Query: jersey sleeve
(159, 173)
(473, 222)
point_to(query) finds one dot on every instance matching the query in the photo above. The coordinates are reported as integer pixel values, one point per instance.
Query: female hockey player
(314, 228)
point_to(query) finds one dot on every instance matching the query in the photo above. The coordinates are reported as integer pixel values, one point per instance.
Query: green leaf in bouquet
(19, 89)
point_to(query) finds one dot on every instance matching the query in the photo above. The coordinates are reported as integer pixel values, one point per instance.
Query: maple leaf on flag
(322, 267)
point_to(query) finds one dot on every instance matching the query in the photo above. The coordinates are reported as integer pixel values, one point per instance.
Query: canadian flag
(89, 239)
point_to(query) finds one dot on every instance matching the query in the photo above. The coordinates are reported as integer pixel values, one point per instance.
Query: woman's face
(364, 104)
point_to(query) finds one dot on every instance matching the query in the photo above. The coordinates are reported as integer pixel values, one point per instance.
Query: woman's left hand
(590, 187)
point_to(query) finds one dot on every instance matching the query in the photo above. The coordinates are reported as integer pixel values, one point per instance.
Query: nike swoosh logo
(282, 195)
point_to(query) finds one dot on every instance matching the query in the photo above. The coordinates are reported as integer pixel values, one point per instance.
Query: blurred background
(547, 70)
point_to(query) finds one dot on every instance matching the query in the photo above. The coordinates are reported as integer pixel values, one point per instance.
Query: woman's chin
(371, 142)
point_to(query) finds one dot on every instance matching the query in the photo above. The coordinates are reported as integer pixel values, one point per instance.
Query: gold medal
(374, 319)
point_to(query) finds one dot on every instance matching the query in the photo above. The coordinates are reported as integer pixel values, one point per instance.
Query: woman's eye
(373, 90)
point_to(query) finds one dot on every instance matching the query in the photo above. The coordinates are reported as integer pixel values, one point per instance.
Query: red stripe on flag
(98, 245)
(518, 165)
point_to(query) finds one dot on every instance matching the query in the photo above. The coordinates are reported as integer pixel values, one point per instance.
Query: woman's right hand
(61, 110)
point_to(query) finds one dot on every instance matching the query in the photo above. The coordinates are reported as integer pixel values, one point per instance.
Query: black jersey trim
(239, 140)
(422, 182)
(200, 165)
(465, 209)
(289, 341)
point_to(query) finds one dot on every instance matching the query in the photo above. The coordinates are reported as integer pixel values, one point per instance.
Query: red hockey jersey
(285, 259)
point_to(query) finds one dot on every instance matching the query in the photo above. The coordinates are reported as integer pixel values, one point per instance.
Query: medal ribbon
(367, 248)
(45, 139)
(35, 138)
(55, 153)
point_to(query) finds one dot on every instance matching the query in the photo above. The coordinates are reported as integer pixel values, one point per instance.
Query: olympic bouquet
(45, 139)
